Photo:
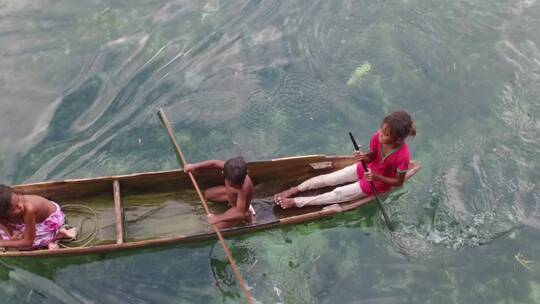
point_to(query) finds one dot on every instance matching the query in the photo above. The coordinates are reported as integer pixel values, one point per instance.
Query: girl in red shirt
(387, 161)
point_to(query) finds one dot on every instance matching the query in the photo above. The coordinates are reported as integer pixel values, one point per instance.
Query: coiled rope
(91, 215)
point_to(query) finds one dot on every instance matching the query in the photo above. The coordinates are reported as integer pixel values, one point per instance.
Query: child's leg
(338, 195)
(63, 233)
(66, 233)
(216, 194)
(345, 175)
(248, 219)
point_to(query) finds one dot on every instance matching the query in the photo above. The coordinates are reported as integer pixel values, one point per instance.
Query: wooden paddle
(179, 153)
(378, 200)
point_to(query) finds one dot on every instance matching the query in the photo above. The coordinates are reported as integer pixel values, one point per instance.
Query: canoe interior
(163, 205)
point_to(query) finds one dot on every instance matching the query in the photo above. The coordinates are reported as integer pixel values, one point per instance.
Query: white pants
(338, 195)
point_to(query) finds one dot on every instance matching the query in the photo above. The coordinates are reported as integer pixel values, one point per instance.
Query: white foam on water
(455, 199)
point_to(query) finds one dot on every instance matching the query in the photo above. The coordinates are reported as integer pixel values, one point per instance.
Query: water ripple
(258, 111)
(300, 96)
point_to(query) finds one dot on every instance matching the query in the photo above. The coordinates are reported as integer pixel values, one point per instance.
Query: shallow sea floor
(81, 83)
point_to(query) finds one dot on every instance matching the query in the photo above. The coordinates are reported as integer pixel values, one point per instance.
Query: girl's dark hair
(401, 124)
(235, 170)
(5, 199)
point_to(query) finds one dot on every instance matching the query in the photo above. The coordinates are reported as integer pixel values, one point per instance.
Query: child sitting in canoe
(237, 191)
(30, 221)
(387, 161)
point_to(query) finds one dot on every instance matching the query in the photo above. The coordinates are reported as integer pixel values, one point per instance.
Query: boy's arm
(207, 164)
(234, 213)
(29, 233)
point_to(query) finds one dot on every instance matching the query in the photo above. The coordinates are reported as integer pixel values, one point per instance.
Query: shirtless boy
(237, 191)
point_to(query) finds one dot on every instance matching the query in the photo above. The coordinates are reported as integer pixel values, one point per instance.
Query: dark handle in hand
(357, 148)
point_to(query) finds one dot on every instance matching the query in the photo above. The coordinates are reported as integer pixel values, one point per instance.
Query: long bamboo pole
(179, 153)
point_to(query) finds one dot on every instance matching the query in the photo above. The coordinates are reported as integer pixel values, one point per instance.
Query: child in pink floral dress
(30, 221)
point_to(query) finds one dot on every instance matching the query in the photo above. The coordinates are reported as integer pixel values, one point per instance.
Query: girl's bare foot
(278, 198)
(53, 245)
(67, 233)
(287, 203)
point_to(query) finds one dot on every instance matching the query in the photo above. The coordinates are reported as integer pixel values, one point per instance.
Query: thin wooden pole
(377, 198)
(179, 153)
(118, 213)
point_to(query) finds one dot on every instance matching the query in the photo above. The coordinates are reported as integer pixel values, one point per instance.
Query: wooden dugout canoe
(161, 208)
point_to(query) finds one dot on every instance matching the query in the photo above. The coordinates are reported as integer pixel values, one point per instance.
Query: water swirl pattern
(81, 82)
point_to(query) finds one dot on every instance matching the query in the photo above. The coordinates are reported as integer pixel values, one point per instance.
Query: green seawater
(81, 82)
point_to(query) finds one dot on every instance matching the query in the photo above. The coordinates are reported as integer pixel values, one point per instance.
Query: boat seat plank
(119, 212)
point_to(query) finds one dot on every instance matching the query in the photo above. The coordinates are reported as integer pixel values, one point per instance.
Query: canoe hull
(269, 177)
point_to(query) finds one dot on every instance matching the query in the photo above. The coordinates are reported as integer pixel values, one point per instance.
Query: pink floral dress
(46, 231)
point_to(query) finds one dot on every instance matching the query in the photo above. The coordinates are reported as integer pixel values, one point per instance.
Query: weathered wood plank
(118, 212)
